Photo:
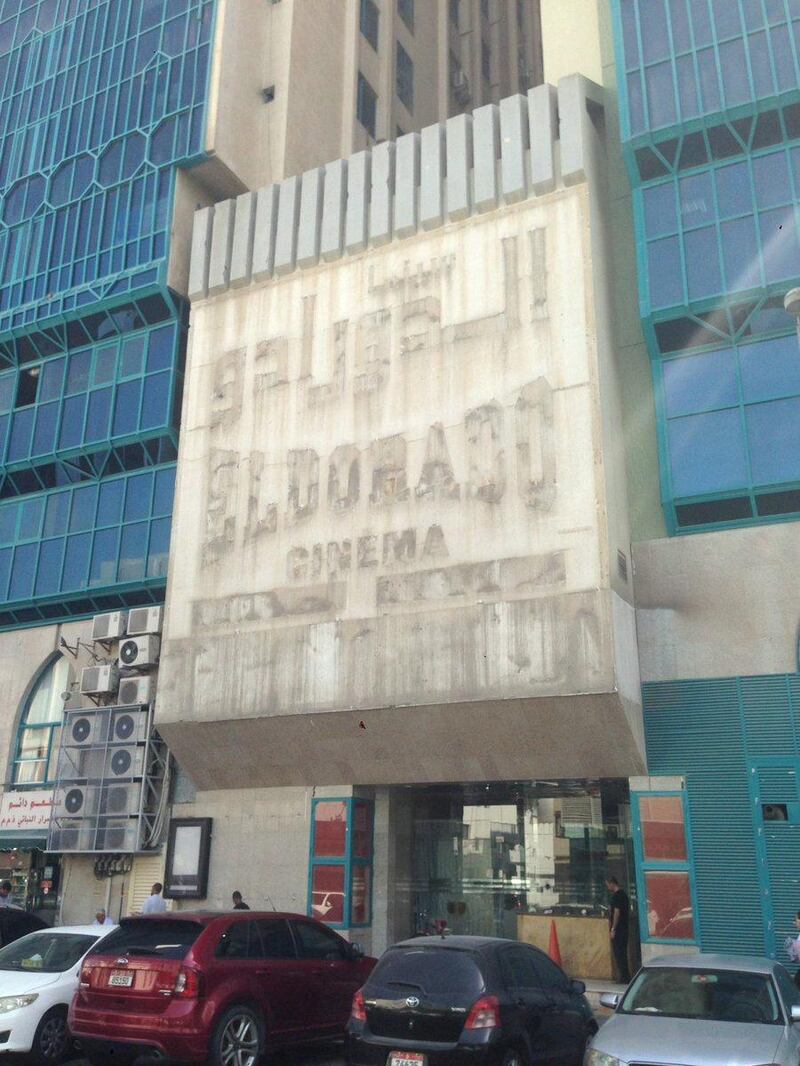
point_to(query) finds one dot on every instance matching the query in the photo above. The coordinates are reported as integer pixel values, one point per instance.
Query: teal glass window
(39, 727)
(99, 536)
(340, 870)
(739, 62)
(664, 869)
(732, 426)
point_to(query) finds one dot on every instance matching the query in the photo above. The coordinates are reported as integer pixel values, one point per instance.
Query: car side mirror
(795, 1013)
(356, 951)
(578, 987)
(610, 1000)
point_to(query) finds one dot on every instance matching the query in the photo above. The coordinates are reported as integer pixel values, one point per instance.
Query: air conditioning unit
(117, 835)
(135, 691)
(125, 762)
(99, 680)
(139, 651)
(86, 729)
(461, 86)
(99, 765)
(129, 725)
(71, 837)
(121, 801)
(110, 626)
(77, 801)
(144, 620)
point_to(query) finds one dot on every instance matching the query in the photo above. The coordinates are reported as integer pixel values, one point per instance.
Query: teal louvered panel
(768, 717)
(782, 846)
(693, 725)
(726, 871)
(777, 784)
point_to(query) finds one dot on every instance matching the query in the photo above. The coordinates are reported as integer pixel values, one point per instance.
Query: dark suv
(474, 1000)
(216, 987)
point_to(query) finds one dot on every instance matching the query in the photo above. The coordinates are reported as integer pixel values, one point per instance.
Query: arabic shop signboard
(26, 811)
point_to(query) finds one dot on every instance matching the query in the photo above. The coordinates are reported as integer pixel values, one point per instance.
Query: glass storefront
(481, 857)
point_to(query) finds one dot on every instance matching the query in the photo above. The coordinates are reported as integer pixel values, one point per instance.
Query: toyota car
(480, 1001)
(216, 987)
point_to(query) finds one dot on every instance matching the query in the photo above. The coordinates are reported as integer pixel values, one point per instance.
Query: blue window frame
(99, 103)
(39, 729)
(664, 868)
(340, 866)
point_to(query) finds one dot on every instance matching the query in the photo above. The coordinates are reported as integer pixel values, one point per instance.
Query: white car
(38, 978)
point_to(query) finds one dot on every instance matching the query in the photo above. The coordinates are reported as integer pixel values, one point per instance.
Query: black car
(482, 1001)
(15, 923)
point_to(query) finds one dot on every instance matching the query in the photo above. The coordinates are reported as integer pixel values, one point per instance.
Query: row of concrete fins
(472, 163)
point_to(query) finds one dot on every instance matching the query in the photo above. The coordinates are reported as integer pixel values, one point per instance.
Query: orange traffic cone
(554, 951)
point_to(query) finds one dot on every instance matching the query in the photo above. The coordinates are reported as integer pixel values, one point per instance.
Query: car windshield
(46, 952)
(709, 995)
(429, 970)
(165, 938)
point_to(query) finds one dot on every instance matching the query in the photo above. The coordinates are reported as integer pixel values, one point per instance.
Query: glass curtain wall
(482, 855)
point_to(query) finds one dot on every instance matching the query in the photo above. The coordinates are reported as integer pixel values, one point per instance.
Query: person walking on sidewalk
(155, 902)
(619, 911)
(792, 945)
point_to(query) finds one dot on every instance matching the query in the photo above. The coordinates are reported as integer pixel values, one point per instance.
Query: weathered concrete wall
(719, 604)
(393, 486)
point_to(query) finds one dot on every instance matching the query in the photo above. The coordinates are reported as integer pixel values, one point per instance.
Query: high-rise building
(711, 136)
(118, 119)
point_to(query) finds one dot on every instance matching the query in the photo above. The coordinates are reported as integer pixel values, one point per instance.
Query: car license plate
(405, 1058)
(121, 979)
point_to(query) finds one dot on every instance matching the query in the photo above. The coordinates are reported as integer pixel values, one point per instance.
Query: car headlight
(8, 1003)
(600, 1058)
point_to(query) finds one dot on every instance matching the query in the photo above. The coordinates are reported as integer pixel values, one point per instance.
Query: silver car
(702, 1010)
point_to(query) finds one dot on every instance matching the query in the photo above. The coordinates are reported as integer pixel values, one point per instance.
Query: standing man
(619, 909)
(238, 903)
(5, 894)
(155, 902)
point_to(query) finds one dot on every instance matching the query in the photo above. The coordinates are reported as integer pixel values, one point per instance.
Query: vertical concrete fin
(580, 102)
(543, 125)
(459, 165)
(334, 205)
(201, 249)
(514, 143)
(286, 233)
(243, 230)
(380, 204)
(485, 144)
(264, 233)
(431, 191)
(406, 185)
(221, 244)
(310, 217)
(358, 168)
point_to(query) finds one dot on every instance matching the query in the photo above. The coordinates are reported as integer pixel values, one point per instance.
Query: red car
(216, 987)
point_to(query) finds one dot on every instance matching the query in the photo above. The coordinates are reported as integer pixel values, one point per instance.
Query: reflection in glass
(669, 905)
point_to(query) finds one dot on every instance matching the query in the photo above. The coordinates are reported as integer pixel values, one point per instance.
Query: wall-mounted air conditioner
(99, 680)
(135, 691)
(139, 651)
(86, 729)
(110, 626)
(143, 620)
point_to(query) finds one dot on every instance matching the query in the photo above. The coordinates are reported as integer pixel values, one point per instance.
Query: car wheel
(51, 1041)
(238, 1038)
(513, 1057)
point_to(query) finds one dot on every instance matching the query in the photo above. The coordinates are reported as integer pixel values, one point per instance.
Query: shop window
(341, 862)
(667, 914)
(40, 726)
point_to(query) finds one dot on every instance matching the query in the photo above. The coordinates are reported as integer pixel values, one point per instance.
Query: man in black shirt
(619, 909)
(238, 903)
